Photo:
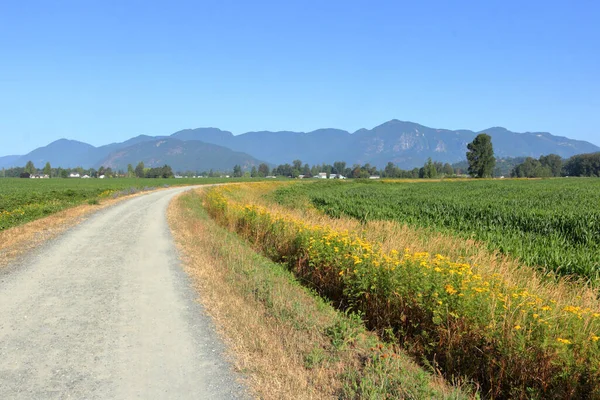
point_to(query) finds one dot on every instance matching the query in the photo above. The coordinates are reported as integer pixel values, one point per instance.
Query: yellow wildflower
(450, 289)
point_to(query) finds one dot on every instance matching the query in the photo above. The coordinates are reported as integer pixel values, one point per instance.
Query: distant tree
(297, 164)
(448, 170)
(167, 172)
(371, 170)
(391, 171)
(480, 156)
(139, 170)
(531, 168)
(47, 169)
(253, 172)
(64, 173)
(429, 170)
(554, 162)
(306, 171)
(263, 170)
(237, 171)
(339, 167)
(130, 171)
(30, 168)
(583, 165)
(25, 175)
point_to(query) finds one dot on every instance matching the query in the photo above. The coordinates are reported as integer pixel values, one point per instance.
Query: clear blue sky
(101, 71)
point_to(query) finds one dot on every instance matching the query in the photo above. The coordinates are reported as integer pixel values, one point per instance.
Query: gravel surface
(105, 311)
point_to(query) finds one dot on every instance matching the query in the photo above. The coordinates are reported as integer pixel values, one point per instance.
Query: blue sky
(104, 71)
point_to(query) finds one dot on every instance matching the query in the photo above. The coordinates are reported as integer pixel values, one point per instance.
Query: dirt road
(105, 312)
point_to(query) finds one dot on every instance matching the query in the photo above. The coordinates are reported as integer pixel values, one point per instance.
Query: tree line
(552, 165)
(140, 171)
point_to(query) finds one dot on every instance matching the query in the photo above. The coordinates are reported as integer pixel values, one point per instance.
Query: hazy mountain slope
(100, 153)
(10, 161)
(277, 147)
(535, 144)
(63, 152)
(207, 135)
(180, 155)
(409, 145)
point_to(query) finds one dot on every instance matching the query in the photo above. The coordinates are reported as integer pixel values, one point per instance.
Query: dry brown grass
(275, 368)
(272, 326)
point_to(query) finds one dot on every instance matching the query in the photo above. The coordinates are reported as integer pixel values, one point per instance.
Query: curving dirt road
(105, 312)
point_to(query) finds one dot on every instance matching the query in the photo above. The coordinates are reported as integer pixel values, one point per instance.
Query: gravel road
(105, 311)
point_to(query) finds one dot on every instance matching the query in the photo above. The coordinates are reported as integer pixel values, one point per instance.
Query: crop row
(552, 224)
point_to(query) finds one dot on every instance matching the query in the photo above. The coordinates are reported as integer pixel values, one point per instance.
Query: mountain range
(406, 144)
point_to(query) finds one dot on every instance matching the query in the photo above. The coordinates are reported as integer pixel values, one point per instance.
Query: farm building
(337, 176)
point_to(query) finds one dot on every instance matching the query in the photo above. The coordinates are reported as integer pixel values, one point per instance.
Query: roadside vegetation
(450, 302)
(289, 341)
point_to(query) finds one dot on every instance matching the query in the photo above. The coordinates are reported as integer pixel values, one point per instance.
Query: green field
(24, 200)
(553, 224)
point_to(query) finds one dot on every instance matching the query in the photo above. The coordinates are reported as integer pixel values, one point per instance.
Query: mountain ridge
(406, 144)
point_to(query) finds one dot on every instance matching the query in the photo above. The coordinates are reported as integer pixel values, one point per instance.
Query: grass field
(24, 200)
(472, 314)
(553, 224)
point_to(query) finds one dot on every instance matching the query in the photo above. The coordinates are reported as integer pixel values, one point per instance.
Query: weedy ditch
(286, 338)
(516, 335)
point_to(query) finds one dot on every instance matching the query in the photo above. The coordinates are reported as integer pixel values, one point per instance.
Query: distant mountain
(318, 146)
(208, 135)
(9, 161)
(63, 152)
(407, 144)
(190, 155)
(71, 153)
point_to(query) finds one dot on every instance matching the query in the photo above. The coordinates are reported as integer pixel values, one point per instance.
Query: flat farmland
(24, 200)
(551, 224)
